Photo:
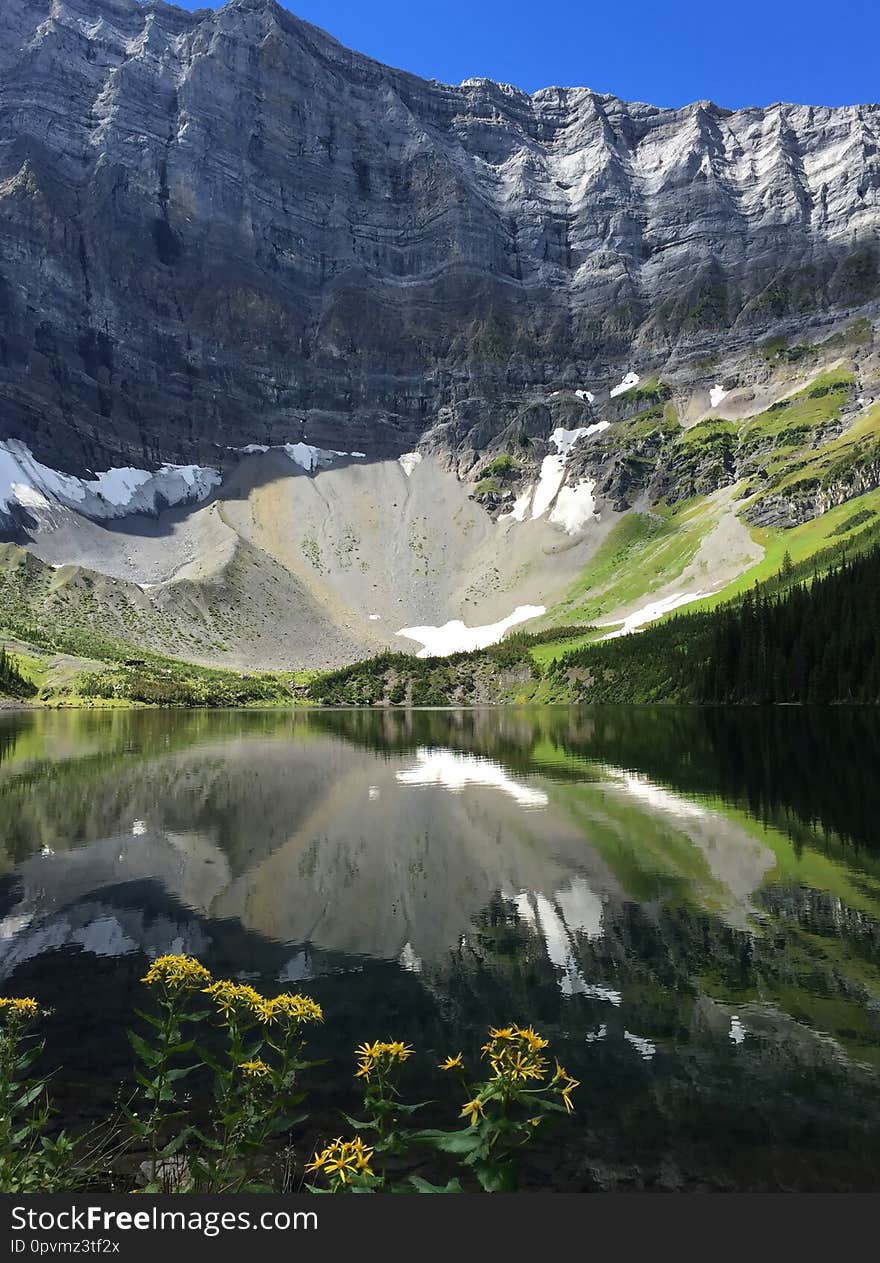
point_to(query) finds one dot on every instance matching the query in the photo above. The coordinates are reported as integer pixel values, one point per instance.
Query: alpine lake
(684, 901)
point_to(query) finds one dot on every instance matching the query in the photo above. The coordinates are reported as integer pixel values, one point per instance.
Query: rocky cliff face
(221, 228)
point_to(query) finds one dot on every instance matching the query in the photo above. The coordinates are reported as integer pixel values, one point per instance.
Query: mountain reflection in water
(687, 901)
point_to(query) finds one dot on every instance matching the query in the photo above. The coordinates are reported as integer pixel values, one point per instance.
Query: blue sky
(668, 52)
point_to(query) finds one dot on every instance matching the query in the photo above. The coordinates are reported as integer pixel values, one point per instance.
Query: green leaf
(174, 1145)
(425, 1186)
(153, 1021)
(460, 1142)
(209, 1061)
(287, 1122)
(148, 1055)
(497, 1177)
(179, 1072)
(357, 1124)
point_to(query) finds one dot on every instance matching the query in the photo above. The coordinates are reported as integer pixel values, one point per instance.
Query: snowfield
(655, 609)
(630, 380)
(114, 493)
(456, 637)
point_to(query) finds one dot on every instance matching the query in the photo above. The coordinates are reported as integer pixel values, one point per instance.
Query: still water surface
(686, 901)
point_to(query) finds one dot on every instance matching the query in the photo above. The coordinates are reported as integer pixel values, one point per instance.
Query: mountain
(298, 350)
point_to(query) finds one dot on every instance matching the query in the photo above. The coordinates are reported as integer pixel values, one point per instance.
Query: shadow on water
(687, 901)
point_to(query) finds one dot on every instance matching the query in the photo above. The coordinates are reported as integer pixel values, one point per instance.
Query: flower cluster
(514, 1053)
(177, 973)
(237, 999)
(564, 1084)
(15, 1011)
(256, 1069)
(342, 1160)
(290, 1009)
(379, 1057)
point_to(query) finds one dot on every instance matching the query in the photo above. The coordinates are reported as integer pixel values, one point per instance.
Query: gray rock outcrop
(221, 228)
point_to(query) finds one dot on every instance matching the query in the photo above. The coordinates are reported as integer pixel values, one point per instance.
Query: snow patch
(655, 609)
(456, 637)
(574, 507)
(117, 492)
(716, 394)
(520, 507)
(630, 380)
(564, 440)
(571, 510)
(549, 482)
(375, 618)
(586, 395)
(455, 771)
(408, 461)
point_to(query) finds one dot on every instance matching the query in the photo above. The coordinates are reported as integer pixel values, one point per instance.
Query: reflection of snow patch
(659, 799)
(373, 793)
(599, 1033)
(455, 772)
(630, 380)
(581, 909)
(374, 618)
(138, 828)
(104, 937)
(408, 461)
(14, 924)
(552, 923)
(409, 960)
(655, 609)
(297, 969)
(716, 394)
(737, 1032)
(643, 1047)
(455, 637)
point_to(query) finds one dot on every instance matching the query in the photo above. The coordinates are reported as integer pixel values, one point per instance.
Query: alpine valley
(305, 361)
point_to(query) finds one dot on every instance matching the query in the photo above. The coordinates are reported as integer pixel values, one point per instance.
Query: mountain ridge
(230, 228)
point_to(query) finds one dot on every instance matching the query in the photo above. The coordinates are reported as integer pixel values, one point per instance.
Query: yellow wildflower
(176, 973)
(19, 1010)
(398, 1051)
(535, 1041)
(568, 1085)
(475, 1109)
(343, 1158)
(237, 998)
(369, 1051)
(379, 1055)
(293, 1008)
(452, 1063)
(256, 1069)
